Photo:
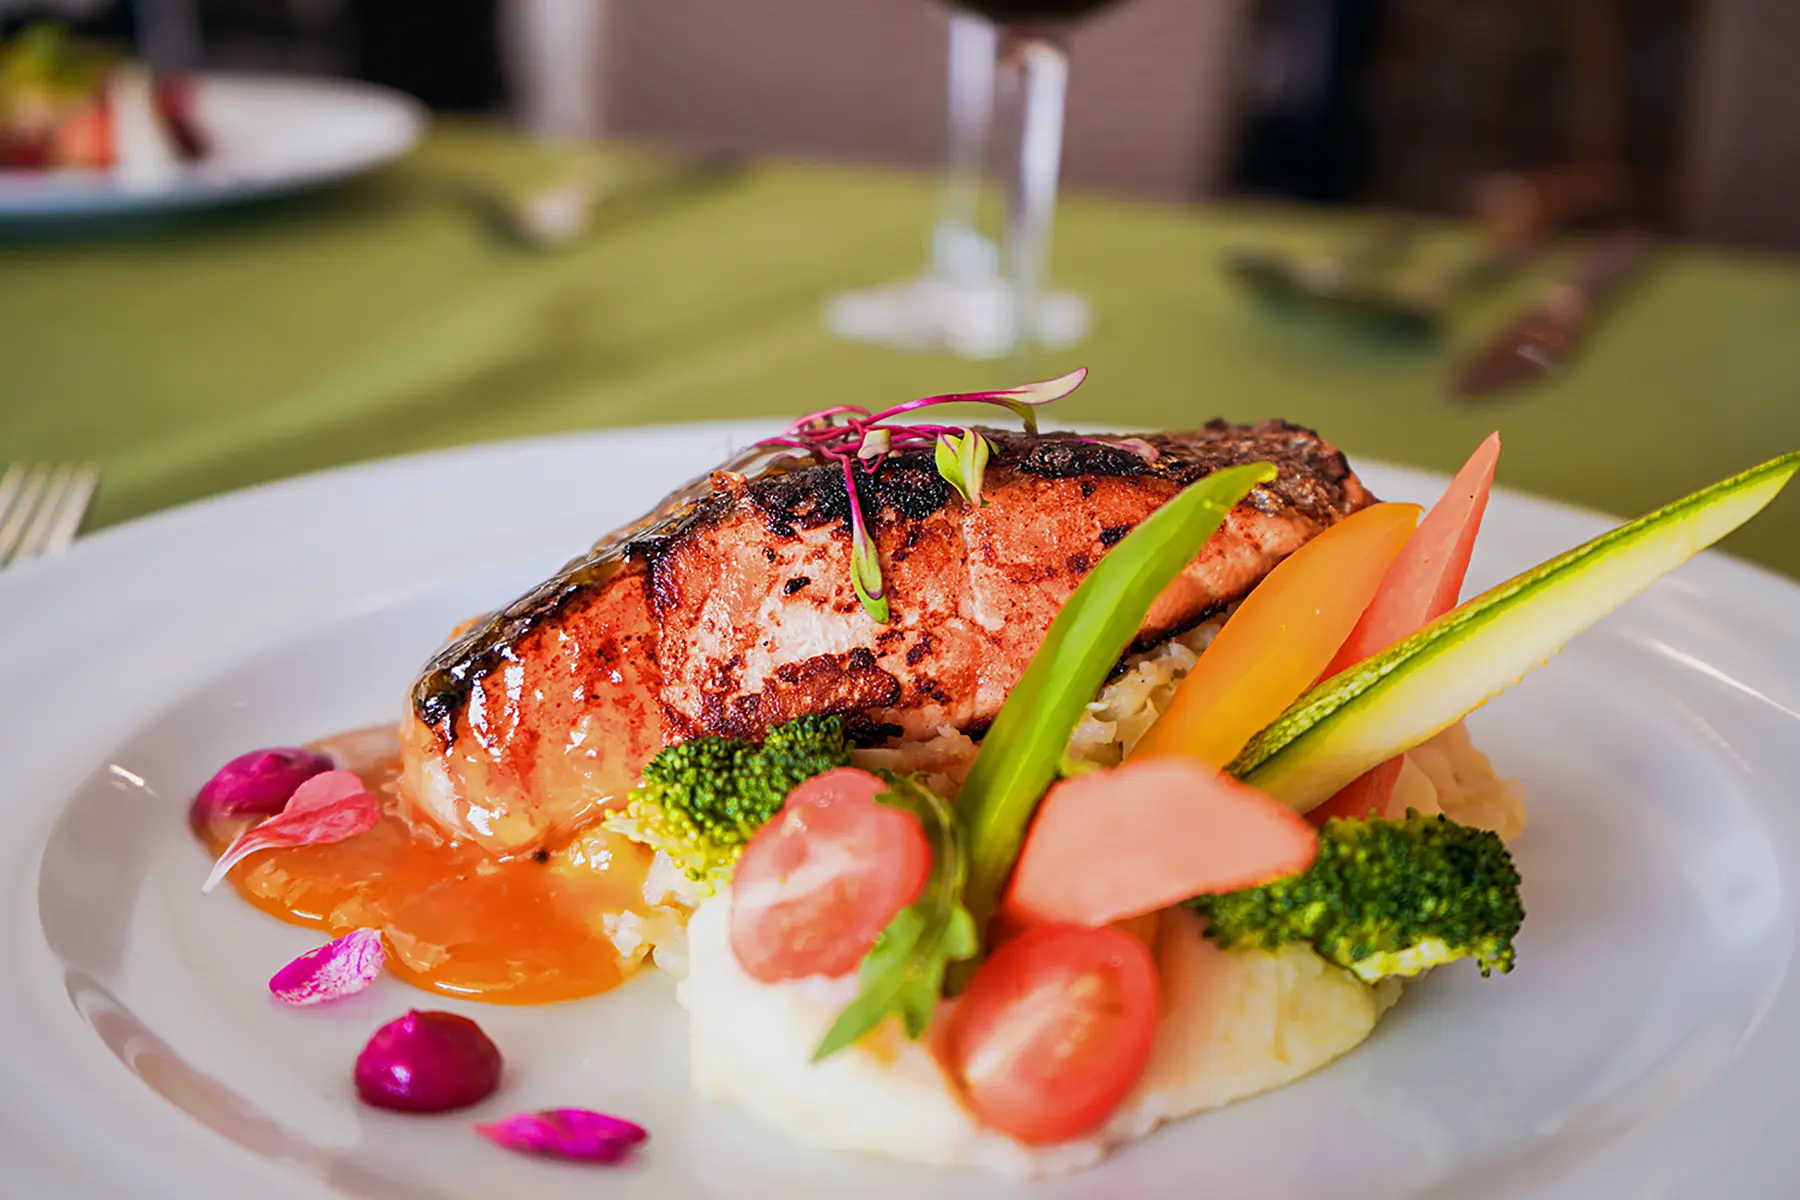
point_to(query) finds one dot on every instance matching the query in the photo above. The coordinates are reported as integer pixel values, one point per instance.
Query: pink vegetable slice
(1424, 583)
(1111, 845)
(331, 807)
(573, 1133)
(333, 971)
(261, 781)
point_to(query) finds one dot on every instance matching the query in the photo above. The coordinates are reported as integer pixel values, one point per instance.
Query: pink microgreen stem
(1020, 400)
(330, 807)
(1137, 446)
(331, 972)
(573, 1133)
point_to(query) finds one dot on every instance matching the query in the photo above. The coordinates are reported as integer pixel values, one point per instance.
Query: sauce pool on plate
(523, 930)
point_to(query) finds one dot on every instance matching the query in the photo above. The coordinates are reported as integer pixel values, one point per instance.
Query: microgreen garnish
(961, 461)
(865, 564)
(847, 435)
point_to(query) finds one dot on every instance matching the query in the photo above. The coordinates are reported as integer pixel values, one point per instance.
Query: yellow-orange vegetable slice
(1281, 638)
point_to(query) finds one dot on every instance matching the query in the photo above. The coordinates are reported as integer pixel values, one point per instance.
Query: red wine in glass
(1012, 12)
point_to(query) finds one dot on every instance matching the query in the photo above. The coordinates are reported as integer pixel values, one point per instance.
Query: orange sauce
(456, 920)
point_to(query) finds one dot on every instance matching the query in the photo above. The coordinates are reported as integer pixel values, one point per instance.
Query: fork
(41, 508)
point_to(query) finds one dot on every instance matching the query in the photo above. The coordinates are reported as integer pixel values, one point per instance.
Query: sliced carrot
(1112, 845)
(1280, 639)
(1424, 583)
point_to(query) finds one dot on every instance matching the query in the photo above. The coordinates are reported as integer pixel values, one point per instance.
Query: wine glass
(961, 302)
(1033, 47)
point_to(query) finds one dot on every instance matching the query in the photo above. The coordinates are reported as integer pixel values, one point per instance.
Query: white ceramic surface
(270, 135)
(1648, 1044)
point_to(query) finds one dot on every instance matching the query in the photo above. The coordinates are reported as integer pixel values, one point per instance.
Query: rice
(1446, 774)
(1112, 725)
(1129, 704)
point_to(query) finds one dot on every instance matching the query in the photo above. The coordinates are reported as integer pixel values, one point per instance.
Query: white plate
(1648, 1044)
(269, 134)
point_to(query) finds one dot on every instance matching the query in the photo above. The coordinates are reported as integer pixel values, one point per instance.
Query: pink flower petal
(330, 807)
(261, 781)
(576, 1133)
(333, 971)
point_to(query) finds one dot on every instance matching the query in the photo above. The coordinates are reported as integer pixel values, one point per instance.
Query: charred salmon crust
(729, 609)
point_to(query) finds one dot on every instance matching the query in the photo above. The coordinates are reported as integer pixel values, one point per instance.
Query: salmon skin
(730, 609)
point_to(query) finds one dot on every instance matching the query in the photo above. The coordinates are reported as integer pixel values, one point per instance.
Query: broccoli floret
(1386, 898)
(701, 800)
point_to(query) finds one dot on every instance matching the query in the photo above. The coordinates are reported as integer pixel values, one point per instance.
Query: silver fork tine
(75, 505)
(10, 483)
(13, 526)
(49, 507)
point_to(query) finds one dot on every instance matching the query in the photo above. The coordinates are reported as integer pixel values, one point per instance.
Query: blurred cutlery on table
(1349, 283)
(41, 508)
(1540, 341)
(557, 215)
(1515, 213)
(1363, 287)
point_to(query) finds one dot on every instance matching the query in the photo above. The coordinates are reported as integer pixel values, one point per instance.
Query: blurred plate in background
(269, 135)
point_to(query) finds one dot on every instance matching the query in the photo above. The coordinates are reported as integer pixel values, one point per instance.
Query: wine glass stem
(973, 45)
(1045, 67)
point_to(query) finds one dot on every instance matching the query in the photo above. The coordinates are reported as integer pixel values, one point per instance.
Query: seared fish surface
(730, 609)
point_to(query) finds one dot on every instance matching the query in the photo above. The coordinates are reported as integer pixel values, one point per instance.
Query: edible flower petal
(573, 1133)
(428, 1062)
(329, 807)
(258, 782)
(332, 971)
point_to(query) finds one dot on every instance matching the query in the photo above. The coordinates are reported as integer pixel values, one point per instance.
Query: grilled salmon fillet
(730, 609)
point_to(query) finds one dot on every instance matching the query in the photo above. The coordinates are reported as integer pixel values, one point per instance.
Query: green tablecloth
(195, 355)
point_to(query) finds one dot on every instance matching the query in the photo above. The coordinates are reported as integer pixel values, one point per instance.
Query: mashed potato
(1235, 1023)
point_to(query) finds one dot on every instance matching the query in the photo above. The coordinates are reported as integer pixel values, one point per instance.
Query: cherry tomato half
(1054, 1030)
(827, 873)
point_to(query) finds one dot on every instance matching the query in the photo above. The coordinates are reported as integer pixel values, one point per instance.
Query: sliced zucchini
(1420, 686)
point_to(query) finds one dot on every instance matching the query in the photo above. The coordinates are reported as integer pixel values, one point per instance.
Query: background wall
(1742, 177)
(1400, 103)
(863, 80)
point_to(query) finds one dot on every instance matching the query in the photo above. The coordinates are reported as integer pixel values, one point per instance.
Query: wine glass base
(971, 318)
